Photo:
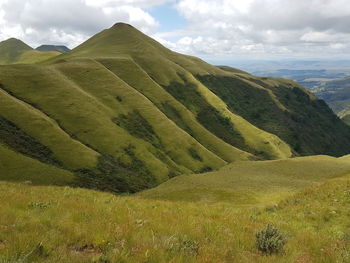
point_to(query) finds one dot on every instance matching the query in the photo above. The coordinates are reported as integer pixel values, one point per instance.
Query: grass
(251, 183)
(52, 224)
(16, 167)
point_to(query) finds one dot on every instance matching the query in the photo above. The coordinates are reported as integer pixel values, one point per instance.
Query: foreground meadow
(62, 224)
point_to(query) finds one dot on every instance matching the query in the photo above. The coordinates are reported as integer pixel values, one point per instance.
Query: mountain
(13, 51)
(122, 113)
(61, 49)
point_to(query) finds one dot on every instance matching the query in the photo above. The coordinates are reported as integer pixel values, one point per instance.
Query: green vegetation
(52, 224)
(16, 167)
(139, 127)
(21, 142)
(269, 240)
(251, 183)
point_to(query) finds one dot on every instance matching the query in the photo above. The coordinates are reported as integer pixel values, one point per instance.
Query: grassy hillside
(252, 182)
(51, 224)
(276, 106)
(19, 168)
(14, 51)
(286, 109)
(123, 114)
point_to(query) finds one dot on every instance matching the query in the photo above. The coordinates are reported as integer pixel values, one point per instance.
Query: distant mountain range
(122, 113)
(61, 49)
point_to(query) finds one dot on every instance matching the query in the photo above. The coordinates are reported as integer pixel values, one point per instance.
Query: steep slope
(306, 123)
(14, 51)
(252, 182)
(46, 48)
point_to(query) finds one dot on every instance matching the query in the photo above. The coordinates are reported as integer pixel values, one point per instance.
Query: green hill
(251, 182)
(123, 113)
(11, 50)
(14, 51)
(52, 224)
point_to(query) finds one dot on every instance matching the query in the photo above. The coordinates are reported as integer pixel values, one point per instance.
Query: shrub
(269, 240)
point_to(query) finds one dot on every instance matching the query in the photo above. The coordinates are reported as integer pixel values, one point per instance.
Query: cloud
(263, 28)
(69, 21)
(214, 29)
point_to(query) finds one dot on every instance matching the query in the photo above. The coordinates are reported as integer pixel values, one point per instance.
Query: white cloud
(138, 3)
(269, 27)
(214, 28)
(69, 21)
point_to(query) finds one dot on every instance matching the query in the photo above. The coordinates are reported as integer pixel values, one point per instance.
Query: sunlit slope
(14, 51)
(35, 56)
(61, 224)
(251, 182)
(245, 111)
(96, 124)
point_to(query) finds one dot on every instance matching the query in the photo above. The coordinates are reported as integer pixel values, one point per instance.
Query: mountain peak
(13, 45)
(16, 41)
(121, 24)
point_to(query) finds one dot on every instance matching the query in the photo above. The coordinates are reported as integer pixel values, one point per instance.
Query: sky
(215, 30)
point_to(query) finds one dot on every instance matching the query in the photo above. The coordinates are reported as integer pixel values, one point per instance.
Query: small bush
(269, 240)
(39, 205)
(184, 245)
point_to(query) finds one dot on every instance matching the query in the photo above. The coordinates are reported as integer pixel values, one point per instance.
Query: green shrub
(269, 240)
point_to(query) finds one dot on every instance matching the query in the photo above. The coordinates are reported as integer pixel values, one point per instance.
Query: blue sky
(215, 30)
(168, 17)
